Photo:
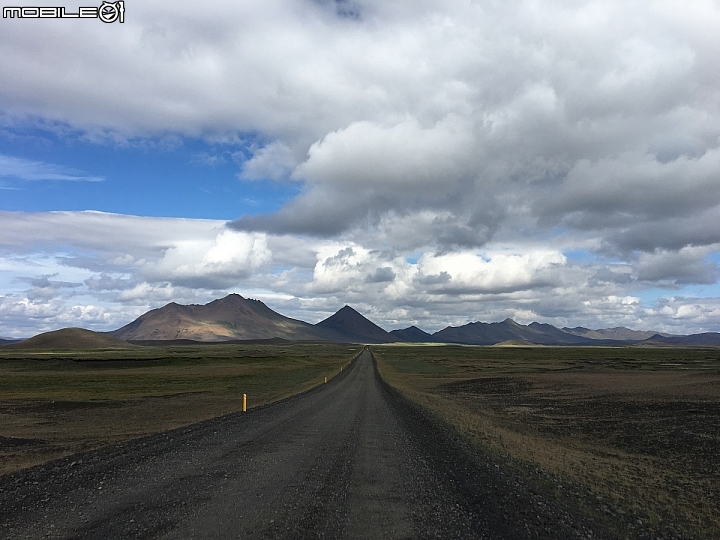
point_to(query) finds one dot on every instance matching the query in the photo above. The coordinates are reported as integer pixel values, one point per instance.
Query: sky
(428, 163)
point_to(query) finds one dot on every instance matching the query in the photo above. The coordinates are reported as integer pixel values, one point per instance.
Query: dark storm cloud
(381, 275)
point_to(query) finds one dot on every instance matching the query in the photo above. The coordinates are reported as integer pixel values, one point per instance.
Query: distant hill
(707, 339)
(479, 333)
(413, 334)
(350, 323)
(5, 341)
(619, 333)
(70, 339)
(229, 318)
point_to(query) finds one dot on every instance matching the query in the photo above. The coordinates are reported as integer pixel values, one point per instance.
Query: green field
(54, 403)
(631, 435)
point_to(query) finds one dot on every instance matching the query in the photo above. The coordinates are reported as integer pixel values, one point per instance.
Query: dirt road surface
(350, 459)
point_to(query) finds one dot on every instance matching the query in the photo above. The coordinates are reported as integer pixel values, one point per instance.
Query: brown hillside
(70, 339)
(229, 318)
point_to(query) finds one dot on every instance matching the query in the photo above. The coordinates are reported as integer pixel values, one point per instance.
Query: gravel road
(350, 459)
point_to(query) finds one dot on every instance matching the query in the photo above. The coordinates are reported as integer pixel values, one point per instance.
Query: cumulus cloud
(632, 189)
(44, 288)
(381, 275)
(467, 273)
(218, 263)
(676, 314)
(274, 162)
(688, 265)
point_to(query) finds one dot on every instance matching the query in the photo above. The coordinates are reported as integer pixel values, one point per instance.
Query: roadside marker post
(326, 380)
(244, 402)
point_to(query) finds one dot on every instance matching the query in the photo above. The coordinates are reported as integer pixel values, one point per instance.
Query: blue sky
(181, 177)
(428, 163)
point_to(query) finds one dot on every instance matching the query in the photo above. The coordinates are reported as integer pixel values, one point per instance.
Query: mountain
(355, 327)
(547, 334)
(619, 333)
(479, 333)
(229, 318)
(707, 339)
(413, 334)
(6, 341)
(70, 339)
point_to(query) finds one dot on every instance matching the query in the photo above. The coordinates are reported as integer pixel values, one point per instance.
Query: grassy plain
(631, 435)
(55, 403)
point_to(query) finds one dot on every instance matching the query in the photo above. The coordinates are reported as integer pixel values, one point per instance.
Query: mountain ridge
(704, 339)
(412, 334)
(617, 333)
(228, 318)
(480, 333)
(235, 318)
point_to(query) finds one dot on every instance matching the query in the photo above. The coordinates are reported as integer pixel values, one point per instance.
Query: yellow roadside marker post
(326, 379)
(244, 402)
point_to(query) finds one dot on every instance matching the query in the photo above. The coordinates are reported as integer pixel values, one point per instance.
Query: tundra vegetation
(57, 402)
(628, 435)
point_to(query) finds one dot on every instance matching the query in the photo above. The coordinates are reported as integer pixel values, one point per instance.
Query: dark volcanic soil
(350, 459)
(650, 438)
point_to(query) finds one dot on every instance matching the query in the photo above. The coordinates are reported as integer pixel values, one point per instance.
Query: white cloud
(687, 265)
(405, 157)
(217, 263)
(24, 169)
(676, 314)
(274, 162)
(467, 273)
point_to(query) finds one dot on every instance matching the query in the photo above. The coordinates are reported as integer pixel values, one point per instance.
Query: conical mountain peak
(350, 322)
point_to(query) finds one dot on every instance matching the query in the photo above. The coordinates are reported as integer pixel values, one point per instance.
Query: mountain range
(237, 318)
(479, 333)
